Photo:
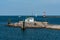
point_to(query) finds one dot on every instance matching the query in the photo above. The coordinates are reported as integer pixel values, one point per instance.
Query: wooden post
(23, 27)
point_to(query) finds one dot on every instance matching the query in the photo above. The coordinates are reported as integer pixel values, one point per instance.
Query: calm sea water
(11, 33)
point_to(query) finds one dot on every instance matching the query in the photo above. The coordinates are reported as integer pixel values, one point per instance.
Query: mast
(32, 13)
(44, 14)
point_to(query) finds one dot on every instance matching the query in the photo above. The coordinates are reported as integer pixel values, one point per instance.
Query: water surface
(11, 33)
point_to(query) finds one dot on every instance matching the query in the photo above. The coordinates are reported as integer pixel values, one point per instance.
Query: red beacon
(44, 14)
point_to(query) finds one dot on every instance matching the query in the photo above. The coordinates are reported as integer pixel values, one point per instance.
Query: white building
(30, 19)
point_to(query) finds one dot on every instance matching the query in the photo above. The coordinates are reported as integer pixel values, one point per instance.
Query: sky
(27, 7)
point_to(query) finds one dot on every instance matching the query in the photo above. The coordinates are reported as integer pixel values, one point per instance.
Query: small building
(30, 19)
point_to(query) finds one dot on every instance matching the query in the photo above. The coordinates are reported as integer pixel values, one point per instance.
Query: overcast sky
(27, 7)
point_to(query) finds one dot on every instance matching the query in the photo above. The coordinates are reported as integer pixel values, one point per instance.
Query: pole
(23, 25)
(9, 21)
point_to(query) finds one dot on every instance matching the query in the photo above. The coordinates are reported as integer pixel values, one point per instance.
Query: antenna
(32, 13)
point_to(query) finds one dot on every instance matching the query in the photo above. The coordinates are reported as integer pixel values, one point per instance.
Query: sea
(12, 33)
